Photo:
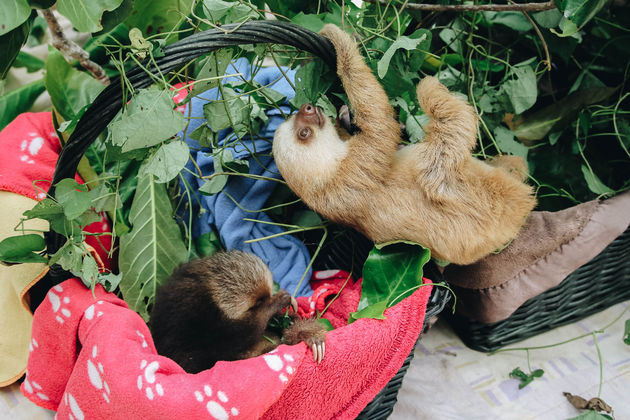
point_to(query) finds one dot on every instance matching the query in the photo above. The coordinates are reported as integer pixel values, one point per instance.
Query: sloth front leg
(368, 100)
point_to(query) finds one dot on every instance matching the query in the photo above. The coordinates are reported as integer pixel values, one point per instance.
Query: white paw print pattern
(32, 345)
(75, 411)
(30, 148)
(283, 365)
(57, 302)
(144, 340)
(95, 373)
(147, 380)
(33, 387)
(92, 311)
(215, 408)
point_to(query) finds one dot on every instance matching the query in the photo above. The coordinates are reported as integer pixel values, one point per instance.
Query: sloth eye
(259, 303)
(304, 133)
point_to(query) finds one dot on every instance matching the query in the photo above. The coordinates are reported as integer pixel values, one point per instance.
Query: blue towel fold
(285, 255)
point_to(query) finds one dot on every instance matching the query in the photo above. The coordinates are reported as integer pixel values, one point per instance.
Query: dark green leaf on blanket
(148, 120)
(525, 378)
(214, 185)
(391, 272)
(22, 249)
(203, 135)
(626, 333)
(152, 249)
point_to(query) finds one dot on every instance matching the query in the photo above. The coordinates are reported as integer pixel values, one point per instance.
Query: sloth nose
(307, 109)
(308, 114)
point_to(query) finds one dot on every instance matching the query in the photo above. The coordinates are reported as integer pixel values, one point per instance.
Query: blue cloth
(285, 255)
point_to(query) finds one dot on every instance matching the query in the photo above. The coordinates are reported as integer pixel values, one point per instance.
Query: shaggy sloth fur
(218, 308)
(433, 192)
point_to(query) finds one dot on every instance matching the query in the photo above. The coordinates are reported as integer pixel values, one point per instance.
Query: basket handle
(109, 101)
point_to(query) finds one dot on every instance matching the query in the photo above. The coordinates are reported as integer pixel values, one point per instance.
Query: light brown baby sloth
(433, 192)
(219, 307)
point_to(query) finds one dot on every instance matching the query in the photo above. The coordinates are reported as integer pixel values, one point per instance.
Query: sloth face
(307, 147)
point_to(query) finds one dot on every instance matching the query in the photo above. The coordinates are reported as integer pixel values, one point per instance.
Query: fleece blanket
(29, 153)
(285, 255)
(98, 361)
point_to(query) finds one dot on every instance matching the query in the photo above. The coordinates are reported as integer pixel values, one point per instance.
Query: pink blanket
(92, 357)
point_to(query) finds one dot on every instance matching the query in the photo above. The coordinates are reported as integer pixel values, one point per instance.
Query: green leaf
(306, 218)
(85, 15)
(148, 120)
(69, 257)
(594, 183)
(216, 9)
(43, 209)
(152, 249)
(536, 125)
(391, 272)
(103, 199)
(203, 135)
(231, 112)
(213, 66)
(311, 80)
(626, 332)
(580, 11)
(591, 415)
(506, 142)
(110, 281)
(42, 4)
(71, 91)
(167, 162)
(548, 18)
(13, 13)
(214, 185)
(525, 378)
(513, 20)
(11, 43)
(18, 101)
(113, 18)
(208, 244)
(567, 28)
(89, 271)
(22, 249)
(326, 324)
(521, 88)
(158, 16)
(29, 61)
(312, 22)
(404, 42)
(73, 197)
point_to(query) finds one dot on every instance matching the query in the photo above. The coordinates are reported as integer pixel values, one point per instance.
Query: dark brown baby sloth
(219, 307)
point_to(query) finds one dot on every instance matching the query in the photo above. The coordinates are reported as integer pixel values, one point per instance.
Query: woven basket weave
(348, 255)
(595, 286)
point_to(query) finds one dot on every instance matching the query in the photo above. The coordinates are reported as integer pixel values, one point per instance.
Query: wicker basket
(346, 254)
(595, 286)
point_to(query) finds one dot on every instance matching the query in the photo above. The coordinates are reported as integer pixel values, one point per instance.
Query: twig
(71, 50)
(528, 7)
(540, 36)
